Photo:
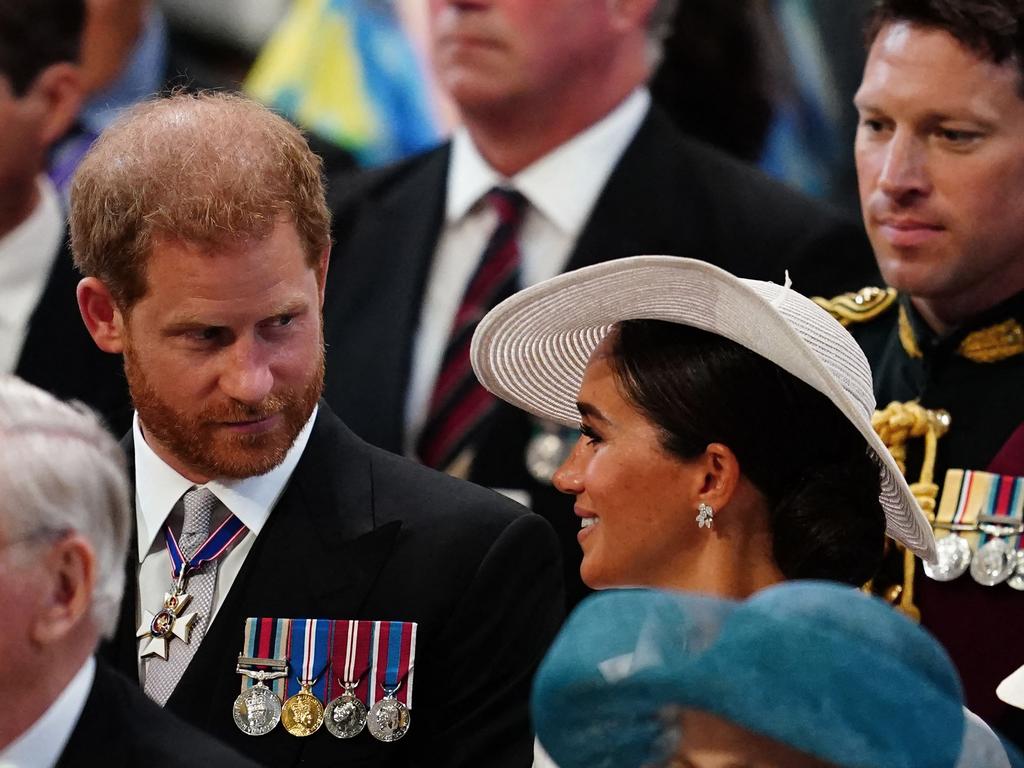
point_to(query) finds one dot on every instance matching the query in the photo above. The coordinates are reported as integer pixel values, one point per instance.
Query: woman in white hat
(725, 427)
(726, 440)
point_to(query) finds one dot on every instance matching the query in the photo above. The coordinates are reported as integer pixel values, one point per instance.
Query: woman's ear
(721, 475)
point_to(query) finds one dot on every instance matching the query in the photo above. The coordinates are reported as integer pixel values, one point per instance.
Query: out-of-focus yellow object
(346, 70)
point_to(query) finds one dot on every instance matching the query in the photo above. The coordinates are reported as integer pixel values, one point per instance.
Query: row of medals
(258, 710)
(995, 562)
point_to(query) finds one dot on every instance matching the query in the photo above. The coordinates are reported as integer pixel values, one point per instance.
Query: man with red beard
(201, 227)
(940, 164)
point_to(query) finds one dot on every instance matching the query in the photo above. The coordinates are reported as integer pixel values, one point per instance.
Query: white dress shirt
(158, 489)
(42, 744)
(27, 254)
(561, 189)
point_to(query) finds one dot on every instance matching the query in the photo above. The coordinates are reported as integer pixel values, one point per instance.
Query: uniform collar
(994, 335)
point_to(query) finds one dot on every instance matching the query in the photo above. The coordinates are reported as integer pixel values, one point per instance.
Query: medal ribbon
(351, 644)
(308, 655)
(212, 548)
(963, 493)
(394, 656)
(1005, 499)
(267, 639)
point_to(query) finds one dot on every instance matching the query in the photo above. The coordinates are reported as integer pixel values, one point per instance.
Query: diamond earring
(705, 515)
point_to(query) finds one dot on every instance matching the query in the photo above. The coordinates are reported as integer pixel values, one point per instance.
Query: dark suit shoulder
(353, 187)
(121, 726)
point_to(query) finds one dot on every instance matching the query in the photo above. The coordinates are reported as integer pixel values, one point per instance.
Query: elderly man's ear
(101, 315)
(65, 589)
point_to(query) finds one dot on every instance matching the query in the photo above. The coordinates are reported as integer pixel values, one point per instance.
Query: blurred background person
(561, 160)
(64, 528)
(42, 338)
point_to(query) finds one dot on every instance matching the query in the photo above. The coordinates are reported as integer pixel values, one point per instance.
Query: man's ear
(60, 86)
(630, 14)
(68, 589)
(101, 315)
(325, 261)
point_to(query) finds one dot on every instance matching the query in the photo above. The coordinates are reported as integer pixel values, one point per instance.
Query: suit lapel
(317, 557)
(374, 296)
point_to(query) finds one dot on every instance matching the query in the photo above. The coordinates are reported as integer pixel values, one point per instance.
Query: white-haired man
(64, 527)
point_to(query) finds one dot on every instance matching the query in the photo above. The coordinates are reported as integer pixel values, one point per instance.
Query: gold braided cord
(858, 307)
(986, 345)
(995, 343)
(895, 424)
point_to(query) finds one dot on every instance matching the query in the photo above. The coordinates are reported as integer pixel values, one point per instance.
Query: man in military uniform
(940, 162)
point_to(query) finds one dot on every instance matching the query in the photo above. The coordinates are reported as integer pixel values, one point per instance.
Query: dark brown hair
(990, 28)
(809, 462)
(35, 34)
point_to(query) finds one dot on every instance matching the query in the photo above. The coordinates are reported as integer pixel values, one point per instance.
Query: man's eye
(872, 125)
(206, 334)
(955, 136)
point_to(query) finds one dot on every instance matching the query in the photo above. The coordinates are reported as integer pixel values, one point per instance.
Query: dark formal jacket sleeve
(121, 728)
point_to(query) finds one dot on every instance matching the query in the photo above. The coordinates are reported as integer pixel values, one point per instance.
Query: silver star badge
(165, 624)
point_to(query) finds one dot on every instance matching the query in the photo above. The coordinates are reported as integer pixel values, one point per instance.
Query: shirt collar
(588, 159)
(39, 234)
(42, 744)
(158, 488)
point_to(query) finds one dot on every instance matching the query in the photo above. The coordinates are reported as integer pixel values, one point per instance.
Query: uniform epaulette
(860, 306)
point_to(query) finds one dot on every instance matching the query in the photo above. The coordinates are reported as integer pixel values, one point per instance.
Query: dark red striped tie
(459, 405)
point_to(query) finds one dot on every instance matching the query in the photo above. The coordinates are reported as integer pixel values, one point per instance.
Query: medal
(309, 641)
(389, 718)
(168, 622)
(993, 563)
(303, 714)
(954, 557)
(351, 644)
(1016, 581)
(547, 450)
(345, 716)
(257, 710)
(393, 662)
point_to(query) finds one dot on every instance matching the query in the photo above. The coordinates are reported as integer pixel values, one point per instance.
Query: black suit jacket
(667, 195)
(362, 534)
(121, 727)
(60, 356)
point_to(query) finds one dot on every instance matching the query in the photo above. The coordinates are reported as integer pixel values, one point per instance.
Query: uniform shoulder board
(860, 306)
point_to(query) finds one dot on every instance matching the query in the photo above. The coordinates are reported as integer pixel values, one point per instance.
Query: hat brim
(532, 349)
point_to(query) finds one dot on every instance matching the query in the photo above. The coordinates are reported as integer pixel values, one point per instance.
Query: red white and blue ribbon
(212, 548)
(394, 657)
(309, 655)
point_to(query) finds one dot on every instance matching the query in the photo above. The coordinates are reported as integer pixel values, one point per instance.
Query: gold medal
(303, 714)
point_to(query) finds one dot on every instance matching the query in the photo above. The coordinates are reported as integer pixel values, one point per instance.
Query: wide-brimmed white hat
(531, 350)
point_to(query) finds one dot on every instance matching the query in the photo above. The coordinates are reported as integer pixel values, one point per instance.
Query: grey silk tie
(163, 675)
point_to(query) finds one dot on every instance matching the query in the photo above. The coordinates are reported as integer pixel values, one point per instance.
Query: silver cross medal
(168, 622)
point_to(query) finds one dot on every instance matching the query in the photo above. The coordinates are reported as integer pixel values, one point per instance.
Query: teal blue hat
(820, 667)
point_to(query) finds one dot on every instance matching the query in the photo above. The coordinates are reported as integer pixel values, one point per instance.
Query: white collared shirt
(27, 254)
(561, 188)
(42, 744)
(158, 488)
